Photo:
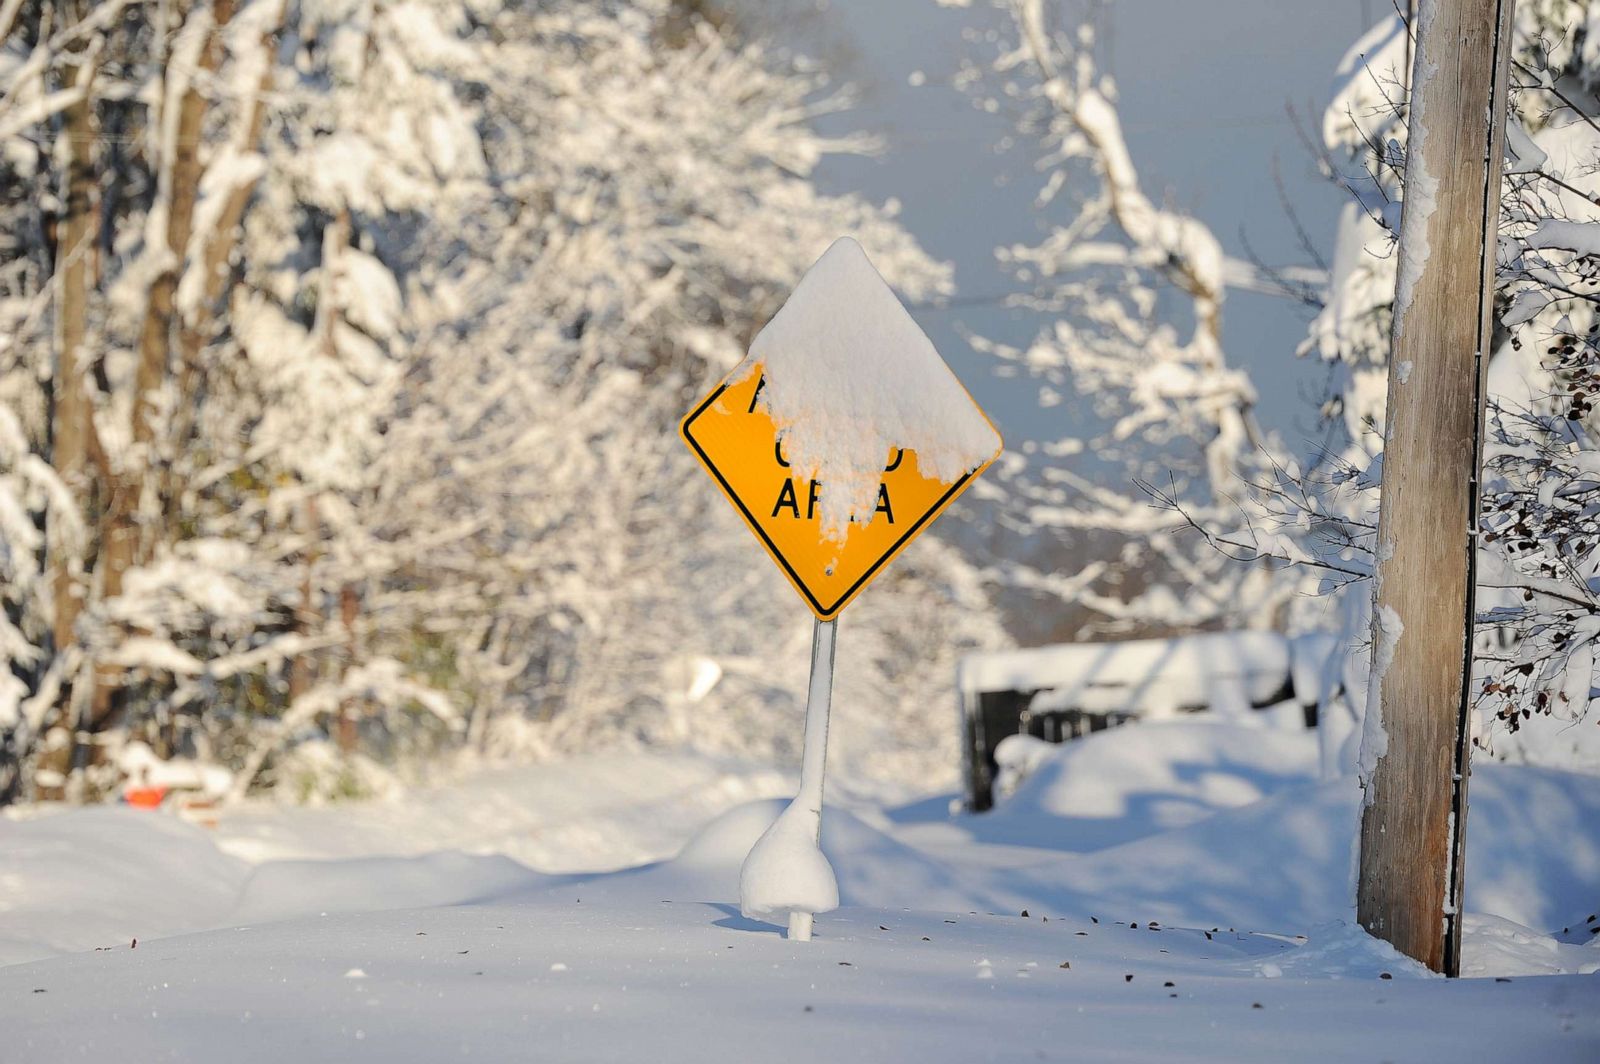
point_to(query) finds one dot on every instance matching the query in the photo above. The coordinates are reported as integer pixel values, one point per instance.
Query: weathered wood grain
(1409, 889)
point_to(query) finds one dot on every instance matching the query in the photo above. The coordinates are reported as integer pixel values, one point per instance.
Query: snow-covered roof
(1138, 675)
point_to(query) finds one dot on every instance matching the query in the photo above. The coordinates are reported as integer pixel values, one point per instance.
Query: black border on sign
(825, 612)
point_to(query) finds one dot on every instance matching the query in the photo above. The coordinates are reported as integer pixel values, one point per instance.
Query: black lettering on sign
(899, 455)
(786, 498)
(777, 452)
(789, 501)
(755, 395)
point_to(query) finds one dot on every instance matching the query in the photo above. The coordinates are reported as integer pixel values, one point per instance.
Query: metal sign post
(814, 760)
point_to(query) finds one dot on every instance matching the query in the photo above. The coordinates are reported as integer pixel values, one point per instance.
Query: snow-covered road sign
(883, 384)
(739, 445)
(840, 437)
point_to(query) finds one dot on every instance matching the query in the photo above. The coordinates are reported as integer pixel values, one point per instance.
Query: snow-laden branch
(1157, 380)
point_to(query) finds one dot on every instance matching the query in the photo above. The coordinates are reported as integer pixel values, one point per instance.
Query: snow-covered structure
(1059, 693)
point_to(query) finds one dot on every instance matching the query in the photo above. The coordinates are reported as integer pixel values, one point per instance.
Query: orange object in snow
(144, 797)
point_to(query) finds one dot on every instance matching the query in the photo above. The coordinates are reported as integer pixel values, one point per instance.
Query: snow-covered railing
(1061, 692)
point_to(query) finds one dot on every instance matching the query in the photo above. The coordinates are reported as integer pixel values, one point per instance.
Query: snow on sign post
(838, 439)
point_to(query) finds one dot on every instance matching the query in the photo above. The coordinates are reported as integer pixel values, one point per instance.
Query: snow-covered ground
(1186, 889)
(78, 879)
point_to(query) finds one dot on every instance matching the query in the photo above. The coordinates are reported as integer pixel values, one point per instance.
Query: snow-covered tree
(640, 271)
(1136, 292)
(345, 340)
(1536, 595)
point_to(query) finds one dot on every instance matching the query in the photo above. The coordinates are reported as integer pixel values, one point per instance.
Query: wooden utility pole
(1414, 820)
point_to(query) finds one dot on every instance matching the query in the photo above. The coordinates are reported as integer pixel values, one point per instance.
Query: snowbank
(583, 814)
(1183, 823)
(281, 890)
(86, 878)
(929, 959)
(1119, 785)
(871, 866)
(100, 877)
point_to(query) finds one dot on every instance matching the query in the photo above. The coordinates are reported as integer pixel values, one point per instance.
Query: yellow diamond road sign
(738, 443)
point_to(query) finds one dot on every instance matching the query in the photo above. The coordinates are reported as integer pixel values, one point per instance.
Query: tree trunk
(123, 542)
(1414, 819)
(71, 414)
(179, 187)
(349, 611)
(308, 617)
(214, 255)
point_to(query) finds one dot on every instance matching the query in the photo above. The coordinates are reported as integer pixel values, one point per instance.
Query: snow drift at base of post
(786, 873)
(787, 876)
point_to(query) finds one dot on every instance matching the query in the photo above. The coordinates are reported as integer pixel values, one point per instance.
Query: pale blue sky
(1204, 86)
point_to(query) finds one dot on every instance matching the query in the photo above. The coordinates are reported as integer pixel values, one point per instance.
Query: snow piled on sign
(850, 377)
